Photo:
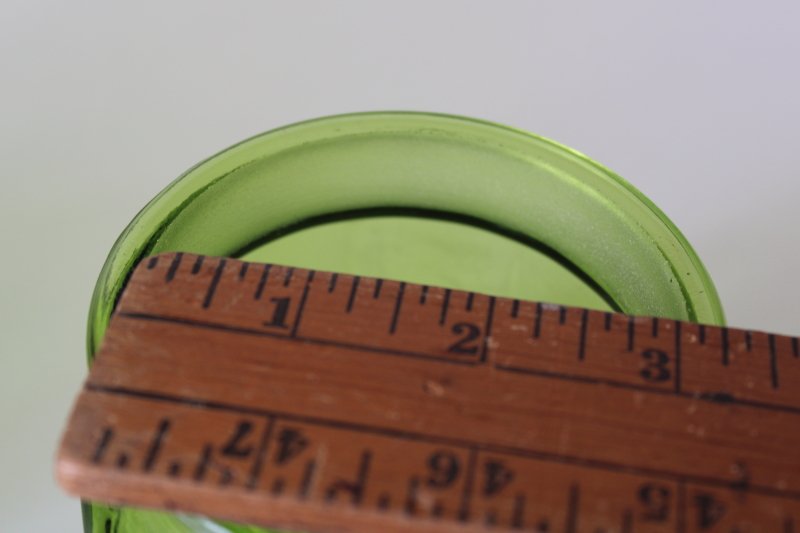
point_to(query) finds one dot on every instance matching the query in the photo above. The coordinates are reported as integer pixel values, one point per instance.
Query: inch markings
(445, 305)
(391, 406)
(173, 267)
(214, 282)
(262, 282)
(198, 264)
(353, 292)
(275, 455)
(657, 360)
(332, 283)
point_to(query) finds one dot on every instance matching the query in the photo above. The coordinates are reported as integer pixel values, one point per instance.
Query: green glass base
(432, 251)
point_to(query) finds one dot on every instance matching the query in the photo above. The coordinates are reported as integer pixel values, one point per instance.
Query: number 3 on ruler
(656, 370)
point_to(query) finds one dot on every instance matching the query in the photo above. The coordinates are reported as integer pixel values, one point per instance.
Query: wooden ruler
(324, 402)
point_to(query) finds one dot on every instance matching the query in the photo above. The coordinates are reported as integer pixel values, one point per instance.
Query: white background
(696, 104)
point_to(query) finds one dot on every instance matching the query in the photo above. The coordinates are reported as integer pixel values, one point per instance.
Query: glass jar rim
(511, 178)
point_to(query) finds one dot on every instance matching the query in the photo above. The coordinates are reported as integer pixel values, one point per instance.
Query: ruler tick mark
(377, 292)
(399, 302)
(515, 309)
(155, 446)
(384, 501)
(174, 469)
(582, 340)
(300, 308)
(562, 314)
(608, 321)
(571, 525)
(173, 267)
(423, 295)
(518, 516)
(152, 263)
(537, 323)
(198, 264)
(262, 281)
(631, 331)
(332, 284)
(724, 333)
(773, 361)
(655, 327)
(795, 348)
(463, 511)
(680, 507)
(122, 461)
(261, 453)
(702, 333)
(353, 291)
(488, 336)
(445, 303)
(214, 282)
(410, 507)
(202, 465)
(748, 340)
(470, 298)
(288, 276)
(97, 457)
(308, 476)
(627, 521)
(678, 345)
(243, 271)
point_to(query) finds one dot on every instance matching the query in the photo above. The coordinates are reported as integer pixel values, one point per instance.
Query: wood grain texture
(326, 402)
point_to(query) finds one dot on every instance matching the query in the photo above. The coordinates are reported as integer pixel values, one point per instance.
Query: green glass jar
(431, 199)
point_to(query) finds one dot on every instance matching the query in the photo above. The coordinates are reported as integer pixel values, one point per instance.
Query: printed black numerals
(444, 469)
(343, 466)
(709, 510)
(656, 369)
(236, 446)
(655, 499)
(240, 446)
(290, 443)
(466, 344)
(497, 476)
(437, 490)
(279, 315)
(227, 461)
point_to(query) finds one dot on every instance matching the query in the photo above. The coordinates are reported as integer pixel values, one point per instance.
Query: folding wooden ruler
(321, 402)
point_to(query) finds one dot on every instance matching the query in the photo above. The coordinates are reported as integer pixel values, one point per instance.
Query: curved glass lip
(103, 293)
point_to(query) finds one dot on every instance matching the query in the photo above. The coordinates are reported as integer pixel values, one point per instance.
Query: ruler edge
(70, 471)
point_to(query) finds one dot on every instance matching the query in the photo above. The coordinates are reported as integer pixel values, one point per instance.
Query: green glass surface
(431, 199)
(432, 251)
